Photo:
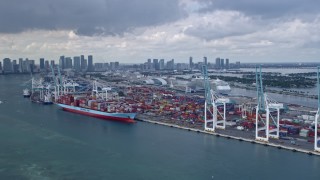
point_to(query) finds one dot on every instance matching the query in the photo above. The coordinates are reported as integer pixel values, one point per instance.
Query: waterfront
(43, 142)
(302, 101)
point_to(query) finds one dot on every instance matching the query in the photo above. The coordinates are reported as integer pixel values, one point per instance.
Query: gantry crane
(214, 119)
(264, 117)
(316, 121)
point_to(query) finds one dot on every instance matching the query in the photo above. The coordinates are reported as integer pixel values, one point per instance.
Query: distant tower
(155, 64)
(83, 63)
(76, 63)
(222, 63)
(20, 65)
(190, 62)
(68, 63)
(90, 63)
(7, 66)
(46, 64)
(62, 62)
(218, 63)
(227, 63)
(52, 63)
(41, 63)
(205, 61)
(161, 64)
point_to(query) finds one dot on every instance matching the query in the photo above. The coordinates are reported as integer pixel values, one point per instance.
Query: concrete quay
(275, 144)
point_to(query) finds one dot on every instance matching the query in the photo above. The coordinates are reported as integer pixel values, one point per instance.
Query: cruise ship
(221, 87)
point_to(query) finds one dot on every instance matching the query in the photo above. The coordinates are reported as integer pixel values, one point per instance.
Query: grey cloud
(264, 8)
(86, 17)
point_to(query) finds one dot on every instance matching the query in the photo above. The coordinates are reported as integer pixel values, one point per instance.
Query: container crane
(316, 121)
(217, 119)
(56, 85)
(264, 116)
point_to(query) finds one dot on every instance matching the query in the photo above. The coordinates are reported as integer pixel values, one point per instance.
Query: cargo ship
(104, 109)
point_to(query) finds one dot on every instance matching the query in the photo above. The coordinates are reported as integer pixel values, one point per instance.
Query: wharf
(219, 133)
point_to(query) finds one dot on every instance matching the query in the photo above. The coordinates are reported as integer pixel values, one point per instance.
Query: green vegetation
(273, 80)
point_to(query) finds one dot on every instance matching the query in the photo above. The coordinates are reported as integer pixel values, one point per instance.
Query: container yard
(281, 125)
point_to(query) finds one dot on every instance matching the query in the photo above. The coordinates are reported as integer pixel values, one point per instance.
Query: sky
(131, 31)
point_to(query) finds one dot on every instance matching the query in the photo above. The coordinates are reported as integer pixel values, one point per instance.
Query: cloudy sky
(135, 30)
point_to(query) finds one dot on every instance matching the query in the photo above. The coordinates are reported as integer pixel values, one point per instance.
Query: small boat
(26, 93)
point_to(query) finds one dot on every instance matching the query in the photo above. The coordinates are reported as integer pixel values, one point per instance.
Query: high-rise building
(205, 61)
(7, 66)
(218, 64)
(227, 63)
(0, 66)
(83, 63)
(46, 65)
(98, 67)
(222, 63)
(62, 62)
(68, 63)
(76, 63)
(116, 65)
(20, 65)
(190, 62)
(90, 63)
(41, 63)
(15, 66)
(32, 65)
(149, 64)
(155, 64)
(52, 63)
(170, 65)
(161, 64)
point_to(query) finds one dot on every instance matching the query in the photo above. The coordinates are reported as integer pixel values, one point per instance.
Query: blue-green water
(44, 142)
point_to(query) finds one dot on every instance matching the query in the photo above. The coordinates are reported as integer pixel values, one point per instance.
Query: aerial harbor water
(44, 142)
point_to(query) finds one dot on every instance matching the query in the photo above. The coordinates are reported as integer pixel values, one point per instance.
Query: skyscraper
(155, 64)
(90, 63)
(15, 66)
(41, 63)
(20, 65)
(170, 65)
(62, 62)
(32, 65)
(161, 64)
(149, 64)
(52, 63)
(7, 66)
(205, 61)
(68, 63)
(83, 63)
(218, 63)
(46, 65)
(190, 62)
(227, 63)
(222, 63)
(76, 63)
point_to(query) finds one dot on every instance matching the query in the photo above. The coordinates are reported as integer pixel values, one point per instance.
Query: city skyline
(132, 32)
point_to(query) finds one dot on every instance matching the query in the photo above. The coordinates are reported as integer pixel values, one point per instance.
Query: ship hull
(123, 117)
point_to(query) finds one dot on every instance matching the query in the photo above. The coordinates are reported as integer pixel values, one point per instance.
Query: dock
(278, 146)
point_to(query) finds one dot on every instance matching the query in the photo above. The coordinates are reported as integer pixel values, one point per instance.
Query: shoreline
(275, 145)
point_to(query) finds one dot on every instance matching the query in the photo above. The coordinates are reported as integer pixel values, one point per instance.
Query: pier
(144, 118)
